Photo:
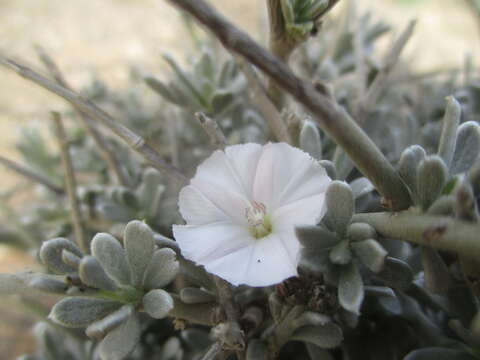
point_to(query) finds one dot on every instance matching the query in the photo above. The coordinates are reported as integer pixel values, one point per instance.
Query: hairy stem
(70, 184)
(29, 174)
(439, 232)
(133, 140)
(264, 104)
(331, 117)
(102, 143)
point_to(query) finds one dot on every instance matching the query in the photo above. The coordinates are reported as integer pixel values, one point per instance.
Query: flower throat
(259, 221)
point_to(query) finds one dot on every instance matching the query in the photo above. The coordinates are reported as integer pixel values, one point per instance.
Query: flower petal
(205, 243)
(265, 262)
(244, 161)
(306, 211)
(270, 261)
(286, 174)
(196, 209)
(219, 183)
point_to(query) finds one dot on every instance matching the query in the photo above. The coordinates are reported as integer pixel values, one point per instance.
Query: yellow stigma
(258, 219)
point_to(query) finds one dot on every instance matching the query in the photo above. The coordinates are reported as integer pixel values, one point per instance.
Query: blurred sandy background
(108, 35)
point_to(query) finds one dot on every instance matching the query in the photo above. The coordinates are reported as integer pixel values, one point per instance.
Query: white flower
(241, 208)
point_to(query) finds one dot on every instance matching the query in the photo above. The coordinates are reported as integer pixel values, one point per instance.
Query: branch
(70, 183)
(262, 102)
(133, 140)
(217, 138)
(378, 85)
(332, 118)
(29, 174)
(102, 143)
(438, 232)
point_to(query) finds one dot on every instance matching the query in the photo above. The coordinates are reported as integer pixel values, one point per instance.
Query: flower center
(258, 219)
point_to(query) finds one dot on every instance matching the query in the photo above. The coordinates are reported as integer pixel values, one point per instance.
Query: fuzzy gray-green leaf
(316, 237)
(371, 254)
(48, 283)
(431, 178)
(361, 231)
(139, 245)
(408, 164)
(396, 273)
(448, 139)
(11, 284)
(98, 329)
(310, 141)
(361, 186)
(329, 168)
(328, 336)
(162, 269)
(341, 254)
(121, 341)
(51, 254)
(109, 252)
(92, 274)
(81, 311)
(157, 303)
(467, 149)
(350, 288)
(340, 205)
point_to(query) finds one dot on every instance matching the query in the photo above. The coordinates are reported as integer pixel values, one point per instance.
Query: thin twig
(262, 102)
(29, 174)
(212, 351)
(102, 143)
(231, 308)
(217, 138)
(359, 51)
(132, 139)
(70, 183)
(439, 232)
(331, 117)
(378, 85)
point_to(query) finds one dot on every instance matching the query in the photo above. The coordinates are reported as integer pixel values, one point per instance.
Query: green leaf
(316, 237)
(120, 342)
(11, 284)
(111, 256)
(139, 246)
(408, 164)
(81, 311)
(371, 254)
(92, 274)
(51, 255)
(350, 288)
(341, 253)
(162, 89)
(158, 303)
(361, 231)
(310, 141)
(448, 139)
(431, 178)
(48, 283)
(162, 269)
(100, 328)
(467, 149)
(328, 336)
(396, 273)
(340, 205)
